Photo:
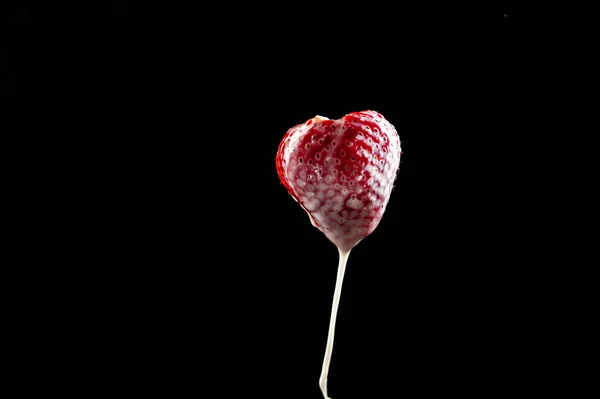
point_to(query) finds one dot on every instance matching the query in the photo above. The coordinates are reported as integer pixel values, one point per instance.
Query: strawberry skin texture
(341, 172)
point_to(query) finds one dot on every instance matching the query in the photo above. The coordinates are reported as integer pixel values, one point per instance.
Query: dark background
(181, 265)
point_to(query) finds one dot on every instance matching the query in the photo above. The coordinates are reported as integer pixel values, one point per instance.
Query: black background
(182, 266)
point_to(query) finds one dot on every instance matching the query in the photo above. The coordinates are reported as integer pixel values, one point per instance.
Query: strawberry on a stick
(342, 173)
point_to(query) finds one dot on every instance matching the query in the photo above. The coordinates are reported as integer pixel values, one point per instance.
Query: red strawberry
(341, 172)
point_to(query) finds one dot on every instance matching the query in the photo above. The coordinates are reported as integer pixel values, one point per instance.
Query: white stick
(343, 259)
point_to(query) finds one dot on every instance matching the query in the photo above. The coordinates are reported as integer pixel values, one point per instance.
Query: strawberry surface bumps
(341, 172)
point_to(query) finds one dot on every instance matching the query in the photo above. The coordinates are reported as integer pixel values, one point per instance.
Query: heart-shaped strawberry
(341, 172)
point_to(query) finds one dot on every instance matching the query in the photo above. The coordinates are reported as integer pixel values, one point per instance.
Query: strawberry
(341, 172)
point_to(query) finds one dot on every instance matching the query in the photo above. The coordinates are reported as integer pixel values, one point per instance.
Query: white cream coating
(339, 206)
